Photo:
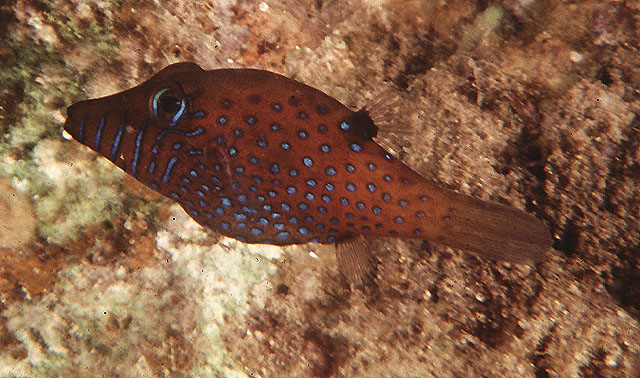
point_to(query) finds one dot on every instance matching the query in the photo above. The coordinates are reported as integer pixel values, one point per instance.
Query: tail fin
(496, 231)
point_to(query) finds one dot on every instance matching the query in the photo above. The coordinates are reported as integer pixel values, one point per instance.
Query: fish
(263, 158)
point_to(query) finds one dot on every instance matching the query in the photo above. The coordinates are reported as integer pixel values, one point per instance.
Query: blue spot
(399, 220)
(344, 201)
(291, 190)
(372, 188)
(271, 193)
(345, 126)
(366, 228)
(350, 168)
(257, 179)
(226, 201)
(405, 181)
(403, 203)
(275, 127)
(283, 235)
(175, 195)
(329, 187)
(320, 226)
(251, 120)
(222, 120)
(267, 207)
(154, 185)
(331, 171)
(233, 152)
(285, 206)
(195, 152)
(322, 110)
(387, 178)
(420, 214)
(322, 210)
(225, 225)
(387, 156)
(302, 134)
(386, 197)
(200, 166)
(235, 186)
(262, 143)
(185, 179)
(349, 215)
(177, 146)
(417, 232)
(326, 198)
(293, 173)
(279, 226)
(241, 225)
(351, 187)
(116, 141)
(277, 107)
(240, 216)
(350, 225)
(376, 210)
(355, 147)
(424, 198)
(242, 198)
(275, 169)
(208, 215)
(322, 128)
(256, 231)
(249, 210)
(263, 221)
(309, 196)
(276, 215)
(184, 190)
(238, 133)
(307, 161)
(303, 206)
(360, 205)
(372, 167)
(219, 211)
(293, 220)
(302, 115)
(331, 239)
(189, 203)
(285, 146)
(215, 180)
(303, 230)
(311, 183)
(325, 148)
(206, 188)
(378, 225)
(254, 98)
(276, 182)
(240, 169)
(203, 203)
(152, 167)
(334, 221)
(260, 198)
(253, 160)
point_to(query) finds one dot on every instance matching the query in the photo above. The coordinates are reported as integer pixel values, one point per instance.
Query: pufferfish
(262, 158)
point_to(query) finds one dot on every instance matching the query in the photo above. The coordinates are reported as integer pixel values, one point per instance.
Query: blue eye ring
(174, 115)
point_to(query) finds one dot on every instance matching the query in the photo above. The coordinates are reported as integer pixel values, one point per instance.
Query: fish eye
(168, 104)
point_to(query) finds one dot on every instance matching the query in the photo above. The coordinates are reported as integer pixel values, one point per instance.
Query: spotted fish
(265, 159)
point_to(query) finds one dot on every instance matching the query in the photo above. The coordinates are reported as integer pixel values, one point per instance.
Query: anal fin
(355, 261)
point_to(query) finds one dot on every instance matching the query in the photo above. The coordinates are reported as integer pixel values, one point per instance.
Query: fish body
(265, 159)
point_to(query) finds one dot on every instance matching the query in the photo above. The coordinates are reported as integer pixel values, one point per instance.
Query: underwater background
(530, 103)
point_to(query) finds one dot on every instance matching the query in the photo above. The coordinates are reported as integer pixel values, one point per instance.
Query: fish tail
(495, 231)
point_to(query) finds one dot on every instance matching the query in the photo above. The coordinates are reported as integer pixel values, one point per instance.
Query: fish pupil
(170, 104)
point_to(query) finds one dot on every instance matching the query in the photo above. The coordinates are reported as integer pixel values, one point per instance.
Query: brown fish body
(265, 159)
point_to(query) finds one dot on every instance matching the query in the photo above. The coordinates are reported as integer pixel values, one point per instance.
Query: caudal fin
(496, 231)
